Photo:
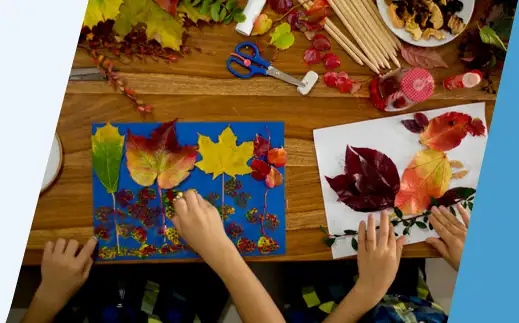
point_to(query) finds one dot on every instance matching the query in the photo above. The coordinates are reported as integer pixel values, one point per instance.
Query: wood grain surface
(199, 88)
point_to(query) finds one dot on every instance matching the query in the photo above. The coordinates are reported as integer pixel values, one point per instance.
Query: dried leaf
(261, 146)
(280, 6)
(260, 169)
(274, 178)
(262, 24)
(312, 56)
(321, 43)
(459, 175)
(159, 157)
(186, 9)
(422, 57)
(282, 38)
(241, 199)
(454, 195)
(412, 125)
(331, 61)
(428, 175)
(476, 127)
(170, 6)
(224, 156)
(421, 119)
(277, 157)
(345, 85)
(370, 180)
(446, 131)
(100, 10)
(456, 164)
(107, 153)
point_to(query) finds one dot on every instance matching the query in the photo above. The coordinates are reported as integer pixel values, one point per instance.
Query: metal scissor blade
(85, 74)
(274, 72)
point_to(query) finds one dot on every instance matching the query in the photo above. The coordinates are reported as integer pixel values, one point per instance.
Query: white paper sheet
(390, 137)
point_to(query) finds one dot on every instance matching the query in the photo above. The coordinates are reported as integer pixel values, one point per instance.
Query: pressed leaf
(370, 180)
(100, 10)
(446, 131)
(282, 38)
(193, 14)
(398, 212)
(331, 61)
(321, 42)
(476, 127)
(421, 225)
(260, 169)
(456, 164)
(412, 125)
(328, 241)
(460, 174)
(421, 119)
(350, 232)
(455, 195)
(280, 6)
(330, 79)
(422, 57)
(159, 157)
(277, 157)
(274, 178)
(224, 156)
(261, 25)
(261, 146)
(354, 244)
(428, 175)
(312, 56)
(323, 230)
(107, 153)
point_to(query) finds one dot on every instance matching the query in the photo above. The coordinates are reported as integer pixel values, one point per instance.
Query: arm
(63, 273)
(378, 263)
(452, 233)
(200, 224)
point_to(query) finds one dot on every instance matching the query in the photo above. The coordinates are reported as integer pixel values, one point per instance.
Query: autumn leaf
(274, 178)
(159, 157)
(282, 38)
(224, 156)
(331, 61)
(261, 146)
(321, 43)
(170, 6)
(260, 169)
(107, 153)
(101, 10)
(277, 157)
(422, 57)
(454, 195)
(428, 175)
(460, 174)
(370, 180)
(261, 25)
(160, 25)
(456, 164)
(280, 6)
(312, 56)
(185, 8)
(446, 131)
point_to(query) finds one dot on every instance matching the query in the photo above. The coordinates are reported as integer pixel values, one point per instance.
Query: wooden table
(199, 88)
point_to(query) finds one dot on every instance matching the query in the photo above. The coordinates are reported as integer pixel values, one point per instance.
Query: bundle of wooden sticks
(363, 21)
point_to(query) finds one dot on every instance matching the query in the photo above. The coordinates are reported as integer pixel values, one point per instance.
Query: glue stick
(252, 11)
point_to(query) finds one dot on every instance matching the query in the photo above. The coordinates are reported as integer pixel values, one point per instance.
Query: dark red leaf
(370, 180)
(280, 6)
(321, 43)
(476, 127)
(344, 84)
(170, 6)
(260, 169)
(330, 78)
(454, 195)
(261, 146)
(412, 126)
(421, 119)
(312, 56)
(331, 61)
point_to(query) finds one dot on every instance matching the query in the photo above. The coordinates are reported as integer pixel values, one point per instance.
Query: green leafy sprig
(222, 11)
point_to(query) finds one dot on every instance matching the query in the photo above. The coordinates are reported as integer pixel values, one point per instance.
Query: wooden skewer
(346, 43)
(343, 6)
(350, 48)
(375, 20)
(379, 35)
(355, 36)
(378, 18)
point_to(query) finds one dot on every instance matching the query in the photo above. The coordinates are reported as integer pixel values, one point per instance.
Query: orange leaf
(461, 174)
(428, 175)
(277, 157)
(274, 178)
(446, 131)
(456, 164)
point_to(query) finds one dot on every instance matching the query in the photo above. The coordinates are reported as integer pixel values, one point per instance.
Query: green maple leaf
(101, 10)
(160, 25)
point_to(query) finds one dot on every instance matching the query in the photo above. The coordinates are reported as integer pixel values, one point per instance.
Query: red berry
(312, 56)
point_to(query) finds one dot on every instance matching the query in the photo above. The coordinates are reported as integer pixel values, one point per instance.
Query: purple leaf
(412, 126)
(421, 119)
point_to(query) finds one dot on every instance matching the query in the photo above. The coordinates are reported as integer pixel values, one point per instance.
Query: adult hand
(199, 223)
(452, 233)
(378, 258)
(63, 272)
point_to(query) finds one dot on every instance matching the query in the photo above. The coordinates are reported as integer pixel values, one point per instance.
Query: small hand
(199, 223)
(378, 261)
(452, 233)
(63, 273)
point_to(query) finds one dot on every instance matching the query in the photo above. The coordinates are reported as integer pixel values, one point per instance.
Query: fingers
(176, 223)
(192, 200)
(383, 233)
(361, 236)
(71, 249)
(392, 238)
(180, 205)
(400, 247)
(88, 266)
(59, 247)
(441, 225)
(465, 216)
(455, 225)
(440, 246)
(371, 236)
(86, 253)
(47, 251)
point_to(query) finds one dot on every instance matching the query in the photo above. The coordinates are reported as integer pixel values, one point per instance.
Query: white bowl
(53, 164)
(465, 14)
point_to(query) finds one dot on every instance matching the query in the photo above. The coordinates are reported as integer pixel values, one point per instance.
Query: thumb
(440, 246)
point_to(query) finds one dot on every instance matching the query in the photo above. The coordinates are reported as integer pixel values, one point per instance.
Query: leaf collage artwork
(139, 168)
(411, 163)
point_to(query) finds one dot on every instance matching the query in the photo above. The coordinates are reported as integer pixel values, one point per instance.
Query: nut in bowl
(426, 23)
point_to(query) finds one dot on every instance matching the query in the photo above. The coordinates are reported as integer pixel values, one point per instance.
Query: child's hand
(452, 233)
(378, 259)
(63, 273)
(199, 223)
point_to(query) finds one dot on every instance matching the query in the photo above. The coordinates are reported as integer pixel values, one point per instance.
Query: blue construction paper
(187, 133)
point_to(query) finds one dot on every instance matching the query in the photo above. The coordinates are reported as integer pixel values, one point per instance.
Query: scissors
(257, 65)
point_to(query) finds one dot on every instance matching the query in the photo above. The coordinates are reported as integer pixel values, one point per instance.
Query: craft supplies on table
(463, 81)
(257, 65)
(401, 89)
(251, 11)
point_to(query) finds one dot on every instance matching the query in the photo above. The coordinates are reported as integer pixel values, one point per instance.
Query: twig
(115, 223)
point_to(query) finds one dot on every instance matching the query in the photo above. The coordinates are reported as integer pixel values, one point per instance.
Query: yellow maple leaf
(224, 156)
(101, 10)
